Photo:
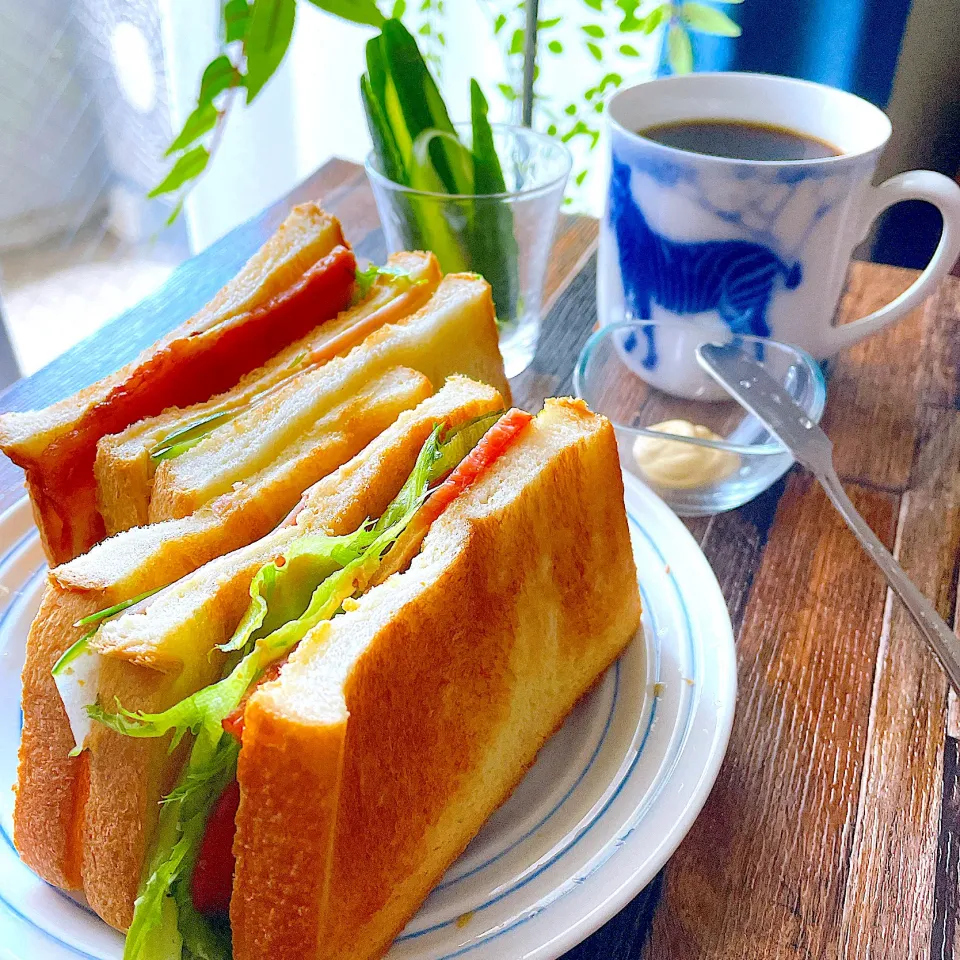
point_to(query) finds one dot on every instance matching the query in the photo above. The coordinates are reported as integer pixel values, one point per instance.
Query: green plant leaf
(236, 18)
(656, 17)
(516, 43)
(266, 42)
(580, 177)
(219, 75)
(174, 213)
(679, 49)
(580, 128)
(630, 20)
(355, 11)
(629, 51)
(610, 80)
(499, 23)
(507, 91)
(191, 164)
(549, 24)
(399, 9)
(555, 46)
(201, 121)
(594, 30)
(704, 19)
(594, 4)
(596, 52)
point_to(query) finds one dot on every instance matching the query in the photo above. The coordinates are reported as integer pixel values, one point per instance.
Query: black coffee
(740, 140)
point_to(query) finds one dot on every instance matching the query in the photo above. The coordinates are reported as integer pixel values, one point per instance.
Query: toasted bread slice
(125, 467)
(302, 276)
(51, 784)
(160, 651)
(454, 333)
(395, 730)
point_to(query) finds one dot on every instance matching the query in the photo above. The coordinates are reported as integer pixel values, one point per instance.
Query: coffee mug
(755, 247)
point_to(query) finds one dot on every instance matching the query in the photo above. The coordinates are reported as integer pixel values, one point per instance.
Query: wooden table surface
(834, 827)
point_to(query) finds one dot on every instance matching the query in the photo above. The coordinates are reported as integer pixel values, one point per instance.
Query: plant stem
(529, 60)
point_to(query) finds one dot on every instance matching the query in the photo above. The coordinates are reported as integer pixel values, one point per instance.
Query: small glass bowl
(744, 462)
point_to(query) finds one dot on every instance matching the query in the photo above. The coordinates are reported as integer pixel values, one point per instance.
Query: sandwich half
(127, 461)
(84, 822)
(302, 276)
(382, 693)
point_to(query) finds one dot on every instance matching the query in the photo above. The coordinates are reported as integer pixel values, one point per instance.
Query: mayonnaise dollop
(682, 466)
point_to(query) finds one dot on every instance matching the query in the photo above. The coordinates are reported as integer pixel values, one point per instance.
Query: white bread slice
(124, 468)
(454, 333)
(50, 783)
(395, 730)
(164, 651)
(236, 332)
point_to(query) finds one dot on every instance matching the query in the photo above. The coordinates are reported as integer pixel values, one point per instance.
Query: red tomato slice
(492, 445)
(233, 724)
(212, 881)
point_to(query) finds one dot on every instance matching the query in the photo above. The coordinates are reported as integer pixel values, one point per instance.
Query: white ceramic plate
(609, 799)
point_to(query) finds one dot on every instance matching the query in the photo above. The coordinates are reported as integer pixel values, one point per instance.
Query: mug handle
(944, 194)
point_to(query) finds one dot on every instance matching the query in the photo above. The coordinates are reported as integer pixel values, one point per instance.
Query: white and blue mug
(748, 246)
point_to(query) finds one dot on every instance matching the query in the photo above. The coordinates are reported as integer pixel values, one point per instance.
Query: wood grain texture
(734, 543)
(875, 384)
(897, 824)
(944, 939)
(574, 245)
(939, 348)
(763, 872)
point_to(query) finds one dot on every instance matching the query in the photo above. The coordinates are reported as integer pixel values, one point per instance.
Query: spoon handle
(944, 642)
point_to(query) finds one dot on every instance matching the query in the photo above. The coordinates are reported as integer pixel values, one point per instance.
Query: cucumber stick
(417, 145)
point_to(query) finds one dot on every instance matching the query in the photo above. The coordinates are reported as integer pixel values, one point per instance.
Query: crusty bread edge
(265, 874)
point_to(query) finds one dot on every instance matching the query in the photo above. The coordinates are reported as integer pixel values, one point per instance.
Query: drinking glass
(506, 237)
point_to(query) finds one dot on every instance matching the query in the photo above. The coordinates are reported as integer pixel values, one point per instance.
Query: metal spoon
(759, 393)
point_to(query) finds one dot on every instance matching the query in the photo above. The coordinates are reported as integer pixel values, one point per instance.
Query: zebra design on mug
(736, 278)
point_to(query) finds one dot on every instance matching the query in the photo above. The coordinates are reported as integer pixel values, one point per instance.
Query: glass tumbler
(506, 237)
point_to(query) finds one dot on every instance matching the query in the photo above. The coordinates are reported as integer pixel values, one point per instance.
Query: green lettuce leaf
(459, 442)
(208, 707)
(164, 919)
(366, 278)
